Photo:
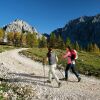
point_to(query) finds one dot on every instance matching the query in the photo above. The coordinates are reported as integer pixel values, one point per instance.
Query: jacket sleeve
(65, 56)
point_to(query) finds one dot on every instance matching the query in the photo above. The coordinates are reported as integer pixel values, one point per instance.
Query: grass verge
(5, 48)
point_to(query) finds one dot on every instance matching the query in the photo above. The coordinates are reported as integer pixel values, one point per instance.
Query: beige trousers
(52, 73)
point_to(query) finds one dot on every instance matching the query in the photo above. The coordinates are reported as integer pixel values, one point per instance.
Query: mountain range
(84, 30)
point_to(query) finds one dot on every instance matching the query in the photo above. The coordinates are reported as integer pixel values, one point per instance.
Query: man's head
(50, 49)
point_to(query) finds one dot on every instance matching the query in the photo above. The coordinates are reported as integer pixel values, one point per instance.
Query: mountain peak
(19, 26)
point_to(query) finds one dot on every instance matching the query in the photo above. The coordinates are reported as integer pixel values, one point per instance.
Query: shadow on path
(28, 78)
(32, 75)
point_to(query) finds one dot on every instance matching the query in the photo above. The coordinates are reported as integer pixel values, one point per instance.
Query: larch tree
(95, 48)
(23, 39)
(35, 40)
(17, 37)
(10, 38)
(1, 35)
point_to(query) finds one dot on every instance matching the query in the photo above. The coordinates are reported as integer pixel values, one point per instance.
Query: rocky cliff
(85, 30)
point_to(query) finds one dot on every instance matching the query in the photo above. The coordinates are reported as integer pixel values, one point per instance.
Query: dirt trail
(22, 68)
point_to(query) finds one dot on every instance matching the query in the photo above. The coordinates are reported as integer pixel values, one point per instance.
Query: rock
(5, 95)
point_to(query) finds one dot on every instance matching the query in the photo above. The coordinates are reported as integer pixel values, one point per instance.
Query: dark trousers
(72, 66)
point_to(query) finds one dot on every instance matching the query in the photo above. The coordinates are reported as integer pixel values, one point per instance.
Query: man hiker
(52, 59)
(70, 63)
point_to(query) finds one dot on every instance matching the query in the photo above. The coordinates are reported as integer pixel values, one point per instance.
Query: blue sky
(46, 15)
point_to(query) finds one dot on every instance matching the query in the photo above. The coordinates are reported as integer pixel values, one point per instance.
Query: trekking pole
(59, 68)
(44, 69)
(61, 73)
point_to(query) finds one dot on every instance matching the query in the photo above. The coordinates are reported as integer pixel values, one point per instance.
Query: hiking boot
(64, 79)
(59, 84)
(79, 79)
(48, 81)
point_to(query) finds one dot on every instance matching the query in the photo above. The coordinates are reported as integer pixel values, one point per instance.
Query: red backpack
(73, 55)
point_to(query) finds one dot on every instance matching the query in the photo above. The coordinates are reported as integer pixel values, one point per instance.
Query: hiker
(70, 63)
(52, 59)
(73, 64)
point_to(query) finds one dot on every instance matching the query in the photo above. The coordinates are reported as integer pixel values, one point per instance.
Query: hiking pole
(61, 73)
(59, 68)
(44, 69)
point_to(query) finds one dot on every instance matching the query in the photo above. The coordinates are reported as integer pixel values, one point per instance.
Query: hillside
(84, 30)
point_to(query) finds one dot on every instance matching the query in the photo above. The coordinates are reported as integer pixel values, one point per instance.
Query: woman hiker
(70, 64)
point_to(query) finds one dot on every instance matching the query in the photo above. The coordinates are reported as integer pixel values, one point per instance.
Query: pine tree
(60, 43)
(81, 49)
(42, 42)
(53, 40)
(90, 47)
(68, 42)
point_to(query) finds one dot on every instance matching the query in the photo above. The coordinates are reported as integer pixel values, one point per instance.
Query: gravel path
(21, 70)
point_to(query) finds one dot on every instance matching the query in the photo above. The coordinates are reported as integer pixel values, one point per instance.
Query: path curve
(31, 73)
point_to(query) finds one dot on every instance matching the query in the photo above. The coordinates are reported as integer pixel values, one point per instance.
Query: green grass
(5, 48)
(87, 63)
(4, 88)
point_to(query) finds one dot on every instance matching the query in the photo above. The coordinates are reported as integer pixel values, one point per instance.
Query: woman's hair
(69, 48)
